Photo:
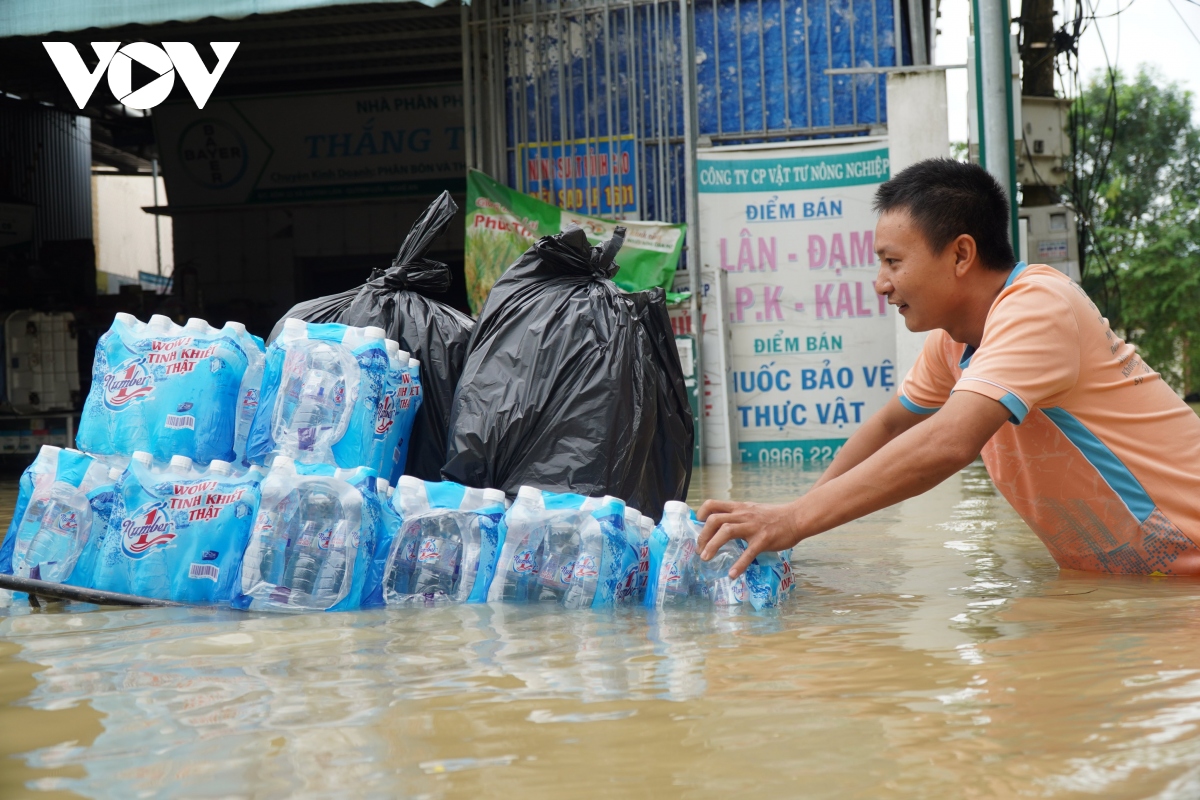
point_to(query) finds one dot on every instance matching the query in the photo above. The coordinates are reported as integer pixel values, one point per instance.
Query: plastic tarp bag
(168, 390)
(313, 541)
(178, 531)
(445, 549)
(432, 332)
(572, 385)
(565, 548)
(677, 575)
(328, 397)
(55, 518)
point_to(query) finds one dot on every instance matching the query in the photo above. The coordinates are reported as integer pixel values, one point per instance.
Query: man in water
(1086, 441)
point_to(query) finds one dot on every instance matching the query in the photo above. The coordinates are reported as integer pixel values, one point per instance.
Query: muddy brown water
(931, 650)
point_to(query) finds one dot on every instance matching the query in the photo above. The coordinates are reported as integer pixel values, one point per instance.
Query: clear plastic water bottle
(677, 578)
(520, 557)
(402, 566)
(586, 572)
(439, 556)
(58, 525)
(647, 528)
(310, 540)
(270, 552)
(313, 397)
(713, 579)
(333, 568)
(560, 550)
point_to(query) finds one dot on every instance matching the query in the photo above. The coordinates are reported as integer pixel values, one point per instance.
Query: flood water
(931, 650)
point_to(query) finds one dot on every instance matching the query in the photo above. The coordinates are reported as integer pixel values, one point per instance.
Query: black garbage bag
(571, 384)
(433, 332)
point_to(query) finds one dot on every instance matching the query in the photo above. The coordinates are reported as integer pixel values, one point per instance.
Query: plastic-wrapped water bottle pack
(445, 547)
(677, 573)
(62, 504)
(334, 394)
(568, 549)
(313, 539)
(177, 531)
(174, 499)
(169, 390)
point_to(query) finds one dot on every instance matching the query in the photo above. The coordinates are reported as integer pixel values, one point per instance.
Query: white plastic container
(41, 361)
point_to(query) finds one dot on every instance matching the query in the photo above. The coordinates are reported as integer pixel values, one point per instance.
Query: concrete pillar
(918, 129)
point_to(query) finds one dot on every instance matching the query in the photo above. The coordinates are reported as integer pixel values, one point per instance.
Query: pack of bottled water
(335, 394)
(677, 573)
(389, 525)
(170, 390)
(395, 414)
(646, 525)
(313, 539)
(567, 549)
(62, 501)
(177, 530)
(445, 548)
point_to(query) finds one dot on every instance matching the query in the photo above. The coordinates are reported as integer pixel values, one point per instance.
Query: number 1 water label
(812, 346)
(395, 413)
(178, 533)
(168, 390)
(164, 389)
(389, 525)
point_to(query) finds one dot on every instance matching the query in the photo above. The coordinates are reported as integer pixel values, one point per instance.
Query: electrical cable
(1184, 21)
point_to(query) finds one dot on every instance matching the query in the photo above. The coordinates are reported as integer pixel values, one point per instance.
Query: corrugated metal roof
(41, 17)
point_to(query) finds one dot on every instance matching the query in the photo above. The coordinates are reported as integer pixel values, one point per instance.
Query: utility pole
(1037, 76)
(994, 97)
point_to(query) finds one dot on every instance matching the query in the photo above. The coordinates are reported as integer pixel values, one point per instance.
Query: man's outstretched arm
(879, 429)
(910, 464)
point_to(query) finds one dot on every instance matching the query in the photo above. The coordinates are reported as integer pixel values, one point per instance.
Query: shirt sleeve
(929, 383)
(1029, 352)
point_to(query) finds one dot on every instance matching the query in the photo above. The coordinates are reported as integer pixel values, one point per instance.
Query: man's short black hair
(947, 198)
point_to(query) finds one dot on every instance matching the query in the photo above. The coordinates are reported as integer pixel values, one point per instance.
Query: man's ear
(965, 254)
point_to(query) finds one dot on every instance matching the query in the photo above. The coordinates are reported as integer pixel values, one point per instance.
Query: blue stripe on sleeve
(914, 408)
(1015, 407)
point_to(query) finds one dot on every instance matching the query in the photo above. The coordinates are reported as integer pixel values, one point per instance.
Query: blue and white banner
(590, 176)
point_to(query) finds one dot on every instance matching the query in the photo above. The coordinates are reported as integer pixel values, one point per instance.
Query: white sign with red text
(812, 347)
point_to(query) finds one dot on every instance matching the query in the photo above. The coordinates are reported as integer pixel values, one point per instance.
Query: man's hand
(884, 467)
(762, 526)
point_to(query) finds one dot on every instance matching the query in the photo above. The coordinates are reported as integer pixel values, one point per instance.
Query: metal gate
(605, 84)
(597, 81)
